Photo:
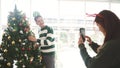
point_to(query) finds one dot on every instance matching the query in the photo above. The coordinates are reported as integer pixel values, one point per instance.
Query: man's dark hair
(35, 18)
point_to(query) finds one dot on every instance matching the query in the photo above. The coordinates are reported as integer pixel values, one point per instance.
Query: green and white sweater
(46, 41)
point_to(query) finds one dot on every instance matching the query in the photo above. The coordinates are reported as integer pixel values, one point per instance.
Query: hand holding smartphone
(82, 33)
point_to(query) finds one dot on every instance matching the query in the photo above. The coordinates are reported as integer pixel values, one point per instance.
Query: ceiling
(115, 1)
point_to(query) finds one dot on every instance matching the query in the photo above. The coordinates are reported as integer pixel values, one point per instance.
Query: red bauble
(23, 48)
(29, 49)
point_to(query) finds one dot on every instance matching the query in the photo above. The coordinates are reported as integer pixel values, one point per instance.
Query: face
(101, 29)
(40, 22)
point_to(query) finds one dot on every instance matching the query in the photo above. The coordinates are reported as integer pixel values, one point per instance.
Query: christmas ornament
(8, 64)
(23, 43)
(13, 42)
(21, 32)
(1, 58)
(8, 45)
(23, 49)
(5, 50)
(13, 18)
(40, 57)
(31, 59)
(23, 66)
(9, 37)
(16, 49)
(25, 55)
(20, 40)
(20, 61)
(29, 49)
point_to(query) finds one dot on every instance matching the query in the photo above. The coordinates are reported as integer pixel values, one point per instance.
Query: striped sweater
(46, 40)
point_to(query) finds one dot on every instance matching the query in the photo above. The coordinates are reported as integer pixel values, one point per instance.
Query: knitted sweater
(46, 41)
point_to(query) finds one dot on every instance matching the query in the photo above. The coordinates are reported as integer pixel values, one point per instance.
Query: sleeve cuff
(81, 46)
(91, 43)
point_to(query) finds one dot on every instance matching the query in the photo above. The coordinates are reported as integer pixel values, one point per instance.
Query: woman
(108, 55)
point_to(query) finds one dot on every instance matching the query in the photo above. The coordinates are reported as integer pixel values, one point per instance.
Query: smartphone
(82, 33)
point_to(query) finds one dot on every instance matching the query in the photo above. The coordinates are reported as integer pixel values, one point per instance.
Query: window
(66, 17)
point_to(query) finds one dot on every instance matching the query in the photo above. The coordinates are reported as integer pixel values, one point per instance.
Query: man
(46, 41)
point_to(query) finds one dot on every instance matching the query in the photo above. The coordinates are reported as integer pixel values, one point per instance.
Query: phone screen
(82, 33)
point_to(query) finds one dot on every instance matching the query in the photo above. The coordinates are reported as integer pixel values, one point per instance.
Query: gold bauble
(8, 64)
(23, 66)
(5, 50)
(9, 37)
(20, 40)
(13, 18)
(20, 61)
(13, 42)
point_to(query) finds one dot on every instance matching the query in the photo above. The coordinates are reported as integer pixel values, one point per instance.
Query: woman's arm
(106, 58)
(92, 44)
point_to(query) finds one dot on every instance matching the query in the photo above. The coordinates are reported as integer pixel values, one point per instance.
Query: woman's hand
(88, 39)
(80, 40)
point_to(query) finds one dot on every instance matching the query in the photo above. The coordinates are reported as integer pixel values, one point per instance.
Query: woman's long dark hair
(111, 24)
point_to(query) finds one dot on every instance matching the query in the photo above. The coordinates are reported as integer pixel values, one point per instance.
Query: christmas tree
(15, 45)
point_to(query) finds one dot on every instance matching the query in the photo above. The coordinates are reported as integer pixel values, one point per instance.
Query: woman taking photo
(109, 53)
